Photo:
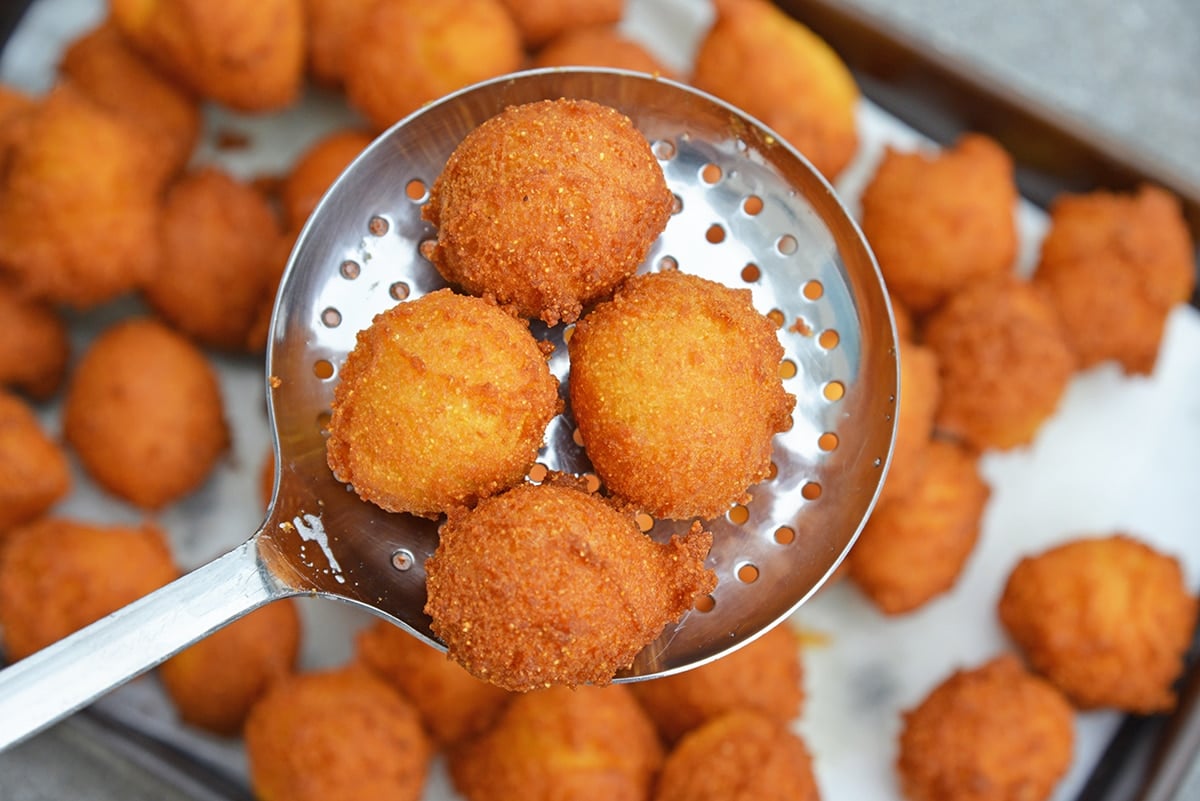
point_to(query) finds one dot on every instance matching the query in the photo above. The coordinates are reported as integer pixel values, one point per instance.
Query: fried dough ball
(1106, 619)
(763, 61)
(675, 386)
(330, 36)
(443, 401)
(315, 171)
(992, 733)
(341, 735)
(248, 56)
(16, 108)
(34, 472)
(218, 249)
(739, 756)
(547, 584)
(214, 683)
(765, 677)
(57, 576)
(143, 413)
(106, 68)
(1114, 265)
(35, 346)
(940, 222)
(78, 224)
(919, 397)
(453, 704)
(547, 207)
(542, 20)
(405, 53)
(598, 46)
(1003, 361)
(584, 744)
(914, 546)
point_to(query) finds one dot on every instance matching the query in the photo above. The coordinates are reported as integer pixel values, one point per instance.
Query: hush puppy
(584, 744)
(758, 58)
(992, 733)
(143, 413)
(214, 683)
(547, 584)
(35, 346)
(542, 20)
(331, 25)
(1106, 619)
(598, 46)
(739, 756)
(443, 401)
(675, 387)
(914, 546)
(1003, 362)
(547, 207)
(34, 472)
(341, 735)
(939, 222)
(315, 171)
(57, 576)
(919, 398)
(1114, 266)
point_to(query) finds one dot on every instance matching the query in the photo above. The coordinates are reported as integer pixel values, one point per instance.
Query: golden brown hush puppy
(765, 676)
(758, 58)
(57, 576)
(598, 46)
(585, 744)
(405, 53)
(938, 222)
(992, 733)
(1002, 359)
(15, 108)
(739, 756)
(341, 735)
(315, 171)
(34, 472)
(248, 56)
(443, 401)
(543, 20)
(35, 346)
(914, 546)
(1106, 619)
(547, 207)
(143, 413)
(919, 397)
(106, 68)
(453, 704)
(330, 36)
(214, 683)
(1114, 266)
(81, 199)
(218, 245)
(675, 387)
(547, 584)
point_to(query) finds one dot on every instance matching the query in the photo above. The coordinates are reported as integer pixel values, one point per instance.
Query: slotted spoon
(751, 213)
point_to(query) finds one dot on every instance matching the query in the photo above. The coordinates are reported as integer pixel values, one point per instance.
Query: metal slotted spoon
(751, 213)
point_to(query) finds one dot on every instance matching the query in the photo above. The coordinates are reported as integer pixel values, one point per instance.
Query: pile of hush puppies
(102, 199)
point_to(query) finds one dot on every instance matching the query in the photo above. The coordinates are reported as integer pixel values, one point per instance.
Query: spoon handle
(61, 678)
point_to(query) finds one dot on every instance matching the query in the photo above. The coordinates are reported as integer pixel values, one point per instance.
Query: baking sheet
(1118, 456)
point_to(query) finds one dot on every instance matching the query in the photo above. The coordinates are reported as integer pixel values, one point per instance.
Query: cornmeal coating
(547, 584)
(144, 414)
(248, 56)
(739, 756)
(219, 257)
(675, 387)
(443, 401)
(406, 53)
(547, 207)
(1004, 362)
(315, 171)
(35, 346)
(1106, 619)
(58, 575)
(938, 222)
(330, 37)
(914, 546)
(341, 735)
(992, 733)
(598, 46)
(1114, 265)
(214, 683)
(454, 705)
(765, 62)
(79, 221)
(34, 472)
(920, 393)
(542, 20)
(583, 744)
